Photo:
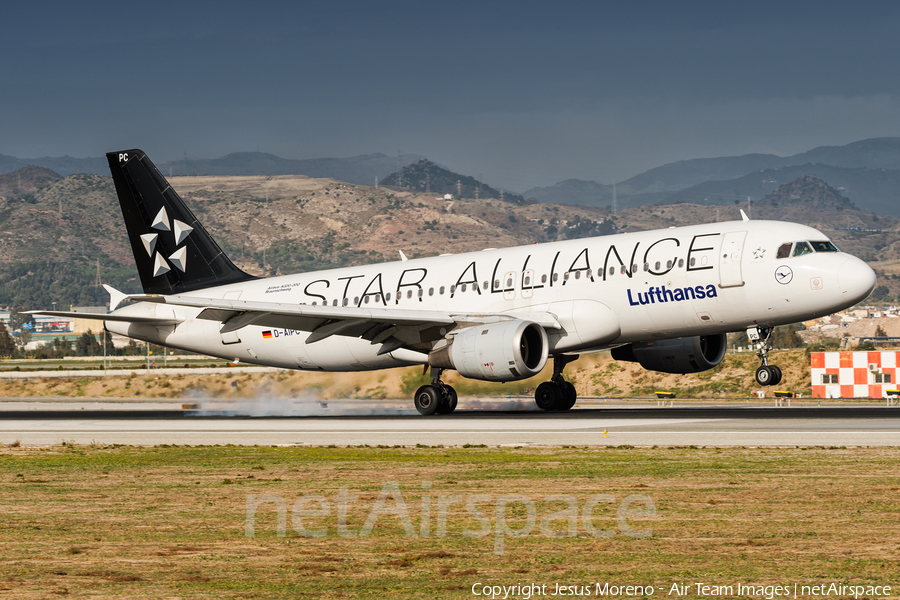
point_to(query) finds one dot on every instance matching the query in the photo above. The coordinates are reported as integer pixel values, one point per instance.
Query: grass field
(167, 522)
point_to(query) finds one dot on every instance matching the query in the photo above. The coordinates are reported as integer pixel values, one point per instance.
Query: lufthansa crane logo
(181, 231)
(783, 274)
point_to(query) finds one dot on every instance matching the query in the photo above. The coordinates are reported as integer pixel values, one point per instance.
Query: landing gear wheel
(548, 396)
(570, 396)
(448, 401)
(776, 375)
(764, 375)
(427, 399)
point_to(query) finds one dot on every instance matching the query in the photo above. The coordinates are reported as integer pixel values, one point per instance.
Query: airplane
(663, 298)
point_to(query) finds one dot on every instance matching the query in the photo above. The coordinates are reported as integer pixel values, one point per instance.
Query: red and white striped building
(853, 374)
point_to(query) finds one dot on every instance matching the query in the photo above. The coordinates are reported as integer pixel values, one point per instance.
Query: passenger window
(784, 251)
(824, 247)
(801, 248)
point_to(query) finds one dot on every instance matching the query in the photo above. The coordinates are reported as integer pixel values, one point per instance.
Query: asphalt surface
(496, 422)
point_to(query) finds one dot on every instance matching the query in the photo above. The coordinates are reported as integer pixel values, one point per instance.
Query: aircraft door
(730, 259)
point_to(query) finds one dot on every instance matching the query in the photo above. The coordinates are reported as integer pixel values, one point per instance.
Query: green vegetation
(114, 521)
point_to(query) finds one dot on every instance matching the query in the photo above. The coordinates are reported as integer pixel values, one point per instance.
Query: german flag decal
(267, 335)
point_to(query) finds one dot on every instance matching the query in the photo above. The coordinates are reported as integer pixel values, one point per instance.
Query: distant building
(853, 374)
(83, 325)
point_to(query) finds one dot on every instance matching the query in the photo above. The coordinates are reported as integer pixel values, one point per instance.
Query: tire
(548, 396)
(776, 372)
(764, 376)
(570, 396)
(448, 402)
(427, 399)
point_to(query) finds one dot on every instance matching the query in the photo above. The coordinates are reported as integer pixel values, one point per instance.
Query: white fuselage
(603, 291)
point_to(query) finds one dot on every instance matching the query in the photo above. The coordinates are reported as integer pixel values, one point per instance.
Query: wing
(126, 318)
(393, 328)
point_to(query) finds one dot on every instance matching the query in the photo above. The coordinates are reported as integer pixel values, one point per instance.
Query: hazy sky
(523, 93)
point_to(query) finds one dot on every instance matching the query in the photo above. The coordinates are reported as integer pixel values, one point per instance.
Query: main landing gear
(557, 394)
(437, 398)
(766, 374)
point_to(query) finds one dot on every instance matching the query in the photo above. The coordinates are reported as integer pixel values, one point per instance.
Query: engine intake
(504, 351)
(681, 355)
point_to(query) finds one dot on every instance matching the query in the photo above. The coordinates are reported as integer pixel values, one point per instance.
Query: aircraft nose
(857, 279)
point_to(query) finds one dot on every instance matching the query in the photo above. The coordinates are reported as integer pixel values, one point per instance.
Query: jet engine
(681, 355)
(504, 351)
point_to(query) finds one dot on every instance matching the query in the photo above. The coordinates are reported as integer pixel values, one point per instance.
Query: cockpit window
(824, 247)
(784, 251)
(801, 248)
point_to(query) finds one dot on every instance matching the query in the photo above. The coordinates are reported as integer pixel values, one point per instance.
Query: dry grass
(593, 375)
(158, 522)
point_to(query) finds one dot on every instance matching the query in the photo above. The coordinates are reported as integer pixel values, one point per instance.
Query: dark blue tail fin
(172, 250)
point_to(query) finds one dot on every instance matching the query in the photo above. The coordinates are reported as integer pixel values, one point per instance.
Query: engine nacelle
(681, 355)
(504, 351)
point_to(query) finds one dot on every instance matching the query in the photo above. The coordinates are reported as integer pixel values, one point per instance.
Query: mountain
(873, 190)
(361, 170)
(808, 194)
(423, 176)
(867, 171)
(573, 191)
(685, 173)
(64, 165)
(873, 153)
(27, 180)
(267, 224)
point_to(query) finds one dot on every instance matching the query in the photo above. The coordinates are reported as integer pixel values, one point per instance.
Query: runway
(497, 422)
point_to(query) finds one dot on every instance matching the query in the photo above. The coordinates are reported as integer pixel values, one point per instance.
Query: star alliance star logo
(759, 252)
(177, 258)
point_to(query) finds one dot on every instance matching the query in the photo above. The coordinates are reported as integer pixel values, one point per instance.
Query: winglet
(115, 297)
(403, 256)
(744, 216)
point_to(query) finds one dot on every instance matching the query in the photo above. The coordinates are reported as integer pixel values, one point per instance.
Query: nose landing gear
(557, 394)
(766, 374)
(437, 398)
